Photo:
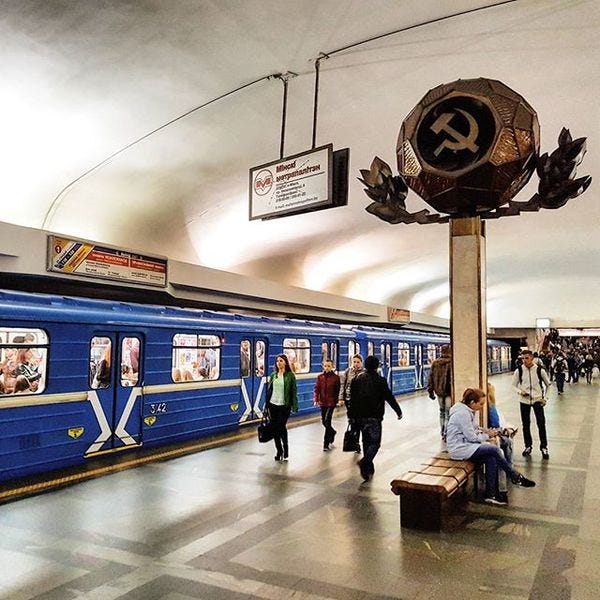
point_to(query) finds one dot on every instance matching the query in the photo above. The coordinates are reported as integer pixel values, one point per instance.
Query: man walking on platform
(531, 382)
(440, 386)
(368, 392)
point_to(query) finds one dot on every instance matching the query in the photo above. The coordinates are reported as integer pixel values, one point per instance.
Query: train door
(418, 366)
(253, 367)
(386, 362)
(115, 379)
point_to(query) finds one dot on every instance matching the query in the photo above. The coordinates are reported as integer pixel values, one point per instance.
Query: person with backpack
(531, 383)
(560, 369)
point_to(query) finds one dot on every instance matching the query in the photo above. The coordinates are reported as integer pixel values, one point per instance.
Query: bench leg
(421, 510)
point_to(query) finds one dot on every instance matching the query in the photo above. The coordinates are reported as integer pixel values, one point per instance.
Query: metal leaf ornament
(389, 192)
(557, 173)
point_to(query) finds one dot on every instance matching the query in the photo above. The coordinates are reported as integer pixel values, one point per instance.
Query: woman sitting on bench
(467, 441)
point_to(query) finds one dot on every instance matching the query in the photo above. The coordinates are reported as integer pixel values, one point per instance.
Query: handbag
(265, 430)
(350, 440)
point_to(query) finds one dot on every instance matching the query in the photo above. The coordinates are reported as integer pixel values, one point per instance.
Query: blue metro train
(81, 378)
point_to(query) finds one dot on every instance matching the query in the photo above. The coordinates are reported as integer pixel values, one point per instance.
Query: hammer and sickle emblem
(461, 142)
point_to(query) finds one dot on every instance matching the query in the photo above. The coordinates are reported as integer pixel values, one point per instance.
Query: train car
(498, 357)
(405, 355)
(82, 378)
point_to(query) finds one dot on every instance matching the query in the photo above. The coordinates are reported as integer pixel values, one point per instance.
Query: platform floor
(231, 523)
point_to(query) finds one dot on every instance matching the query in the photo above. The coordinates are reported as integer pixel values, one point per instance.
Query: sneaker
(527, 451)
(494, 501)
(502, 497)
(523, 481)
(545, 454)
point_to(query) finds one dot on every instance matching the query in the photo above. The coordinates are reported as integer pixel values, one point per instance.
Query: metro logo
(263, 182)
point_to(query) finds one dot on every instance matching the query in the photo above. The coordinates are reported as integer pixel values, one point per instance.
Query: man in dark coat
(369, 392)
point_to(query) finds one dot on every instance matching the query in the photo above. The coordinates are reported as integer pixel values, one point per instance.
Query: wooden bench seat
(433, 489)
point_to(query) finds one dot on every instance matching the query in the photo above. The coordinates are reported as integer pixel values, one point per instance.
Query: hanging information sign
(75, 257)
(293, 185)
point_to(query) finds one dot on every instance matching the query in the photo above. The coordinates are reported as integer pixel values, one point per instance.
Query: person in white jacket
(466, 440)
(531, 381)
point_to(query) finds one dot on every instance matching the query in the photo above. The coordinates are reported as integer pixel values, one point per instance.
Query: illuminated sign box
(76, 257)
(305, 182)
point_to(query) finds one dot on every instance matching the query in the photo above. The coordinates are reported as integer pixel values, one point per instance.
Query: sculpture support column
(467, 305)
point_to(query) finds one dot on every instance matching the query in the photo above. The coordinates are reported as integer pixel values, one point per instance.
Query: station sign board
(293, 185)
(398, 315)
(76, 257)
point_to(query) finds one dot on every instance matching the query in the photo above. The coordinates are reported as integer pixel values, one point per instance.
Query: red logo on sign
(263, 182)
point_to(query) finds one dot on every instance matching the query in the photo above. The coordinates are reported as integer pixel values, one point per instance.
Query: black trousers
(279, 417)
(540, 419)
(326, 415)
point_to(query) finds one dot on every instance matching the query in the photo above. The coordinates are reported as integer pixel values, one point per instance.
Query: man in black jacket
(369, 391)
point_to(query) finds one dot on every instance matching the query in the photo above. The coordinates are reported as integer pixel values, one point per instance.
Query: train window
(370, 349)
(259, 358)
(244, 358)
(130, 361)
(298, 353)
(195, 357)
(403, 354)
(329, 351)
(386, 359)
(353, 350)
(431, 353)
(23, 360)
(324, 352)
(100, 362)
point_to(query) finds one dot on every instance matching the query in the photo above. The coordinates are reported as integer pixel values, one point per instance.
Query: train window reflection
(23, 361)
(100, 362)
(431, 353)
(353, 349)
(298, 353)
(244, 358)
(130, 361)
(195, 357)
(259, 358)
(403, 354)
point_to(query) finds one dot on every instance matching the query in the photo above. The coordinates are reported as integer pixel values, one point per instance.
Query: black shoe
(502, 497)
(326, 448)
(278, 457)
(494, 501)
(545, 454)
(523, 481)
(285, 455)
(357, 449)
(363, 472)
(527, 451)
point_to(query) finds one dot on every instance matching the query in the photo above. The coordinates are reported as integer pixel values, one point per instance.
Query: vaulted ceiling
(82, 81)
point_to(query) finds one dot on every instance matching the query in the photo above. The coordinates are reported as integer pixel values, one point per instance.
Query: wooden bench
(433, 489)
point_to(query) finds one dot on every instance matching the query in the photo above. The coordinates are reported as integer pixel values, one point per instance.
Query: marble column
(467, 305)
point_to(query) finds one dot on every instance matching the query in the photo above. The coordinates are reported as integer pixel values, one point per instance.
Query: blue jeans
(371, 436)
(493, 459)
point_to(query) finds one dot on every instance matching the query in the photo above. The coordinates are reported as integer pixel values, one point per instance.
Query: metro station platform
(231, 523)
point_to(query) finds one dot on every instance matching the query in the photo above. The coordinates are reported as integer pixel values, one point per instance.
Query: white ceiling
(81, 80)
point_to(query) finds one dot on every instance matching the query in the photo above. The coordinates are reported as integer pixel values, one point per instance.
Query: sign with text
(74, 257)
(293, 185)
(398, 315)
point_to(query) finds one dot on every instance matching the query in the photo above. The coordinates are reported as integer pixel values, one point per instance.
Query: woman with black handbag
(282, 398)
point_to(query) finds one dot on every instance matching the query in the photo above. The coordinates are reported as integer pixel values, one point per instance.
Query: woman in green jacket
(282, 398)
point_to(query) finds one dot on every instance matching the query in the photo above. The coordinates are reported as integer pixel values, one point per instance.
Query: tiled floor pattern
(231, 523)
